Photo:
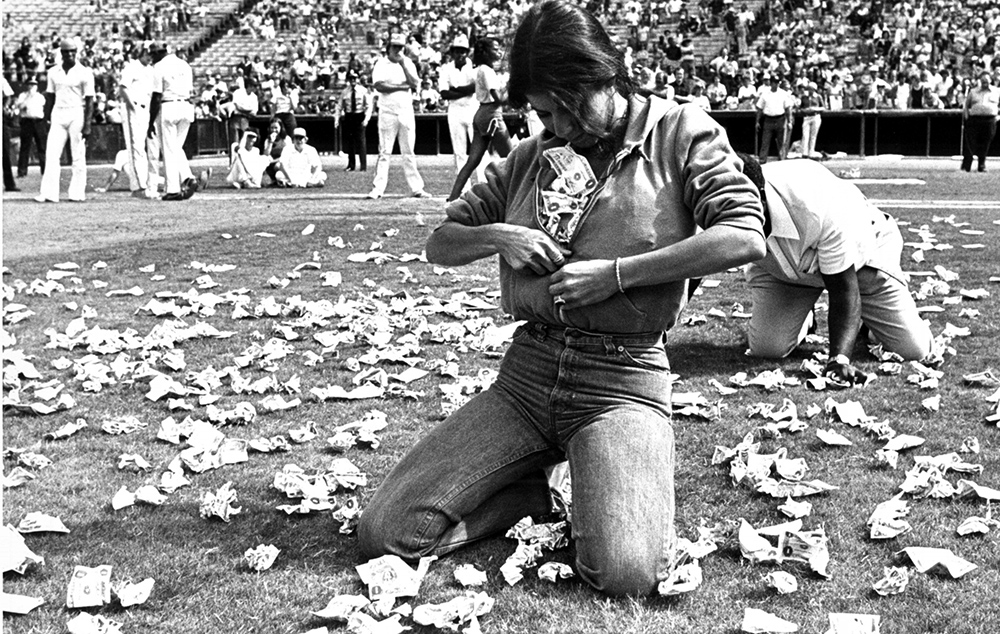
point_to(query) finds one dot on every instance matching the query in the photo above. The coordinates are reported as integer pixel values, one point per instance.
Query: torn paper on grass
(939, 560)
(262, 557)
(389, 576)
(89, 587)
(760, 622)
(468, 575)
(130, 594)
(220, 504)
(455, 613)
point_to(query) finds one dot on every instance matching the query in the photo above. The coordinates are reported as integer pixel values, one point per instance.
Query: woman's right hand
(526, 248)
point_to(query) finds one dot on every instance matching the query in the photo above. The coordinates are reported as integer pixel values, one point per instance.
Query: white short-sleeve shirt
(173, 78)
(72, 87)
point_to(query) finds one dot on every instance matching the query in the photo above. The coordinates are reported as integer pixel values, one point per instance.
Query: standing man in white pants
(395, 78)
(171, 113)
(136, 91)
(69, 106)
(457, 84)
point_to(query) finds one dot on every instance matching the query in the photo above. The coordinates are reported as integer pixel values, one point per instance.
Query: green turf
(202, 584)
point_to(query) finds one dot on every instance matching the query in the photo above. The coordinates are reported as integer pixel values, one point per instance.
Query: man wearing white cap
(69, 105)
(136, 91)
(299, 164)
(395, 78)
(457, 84)
(171, 114)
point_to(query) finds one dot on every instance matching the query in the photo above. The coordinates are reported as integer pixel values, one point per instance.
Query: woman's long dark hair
(484, 52)
(562, 50)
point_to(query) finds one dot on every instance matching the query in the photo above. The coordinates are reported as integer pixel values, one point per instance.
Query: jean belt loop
(609, 346)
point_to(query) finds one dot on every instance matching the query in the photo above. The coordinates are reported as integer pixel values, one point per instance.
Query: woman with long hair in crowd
(488, 125)
(598, 224)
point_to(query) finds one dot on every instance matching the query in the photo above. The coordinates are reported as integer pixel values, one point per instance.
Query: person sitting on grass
(248, 164)
(273, 146)
(299, 165)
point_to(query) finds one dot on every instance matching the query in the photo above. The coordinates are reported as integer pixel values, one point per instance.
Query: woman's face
(565, 124)
(275, 127)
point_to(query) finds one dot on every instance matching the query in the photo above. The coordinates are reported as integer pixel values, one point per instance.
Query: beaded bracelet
(618, 275)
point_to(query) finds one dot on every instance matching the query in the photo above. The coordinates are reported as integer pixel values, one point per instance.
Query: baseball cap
(158, 46)
(299, 132)
(460, 41)
(397, 39)
(69, 44)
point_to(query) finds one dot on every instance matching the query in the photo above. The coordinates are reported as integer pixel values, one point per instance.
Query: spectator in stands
(618, 437)
(716, 93)
(299, 165)
(826, 235)
(30, 106)
(746, 94)
(698, 96)
(354, 110)
(489, 131)
(835, 93)
(395, 78)
(774, 107)
(69, 107)
(980, 112)
(284, 100)
(457, 84)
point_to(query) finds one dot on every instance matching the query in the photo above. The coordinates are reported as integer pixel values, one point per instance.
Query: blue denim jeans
(601, 402)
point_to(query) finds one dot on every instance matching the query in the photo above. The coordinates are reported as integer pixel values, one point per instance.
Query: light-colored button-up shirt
(137, 82)
(71, 87)
(450, 77)
(173, 78)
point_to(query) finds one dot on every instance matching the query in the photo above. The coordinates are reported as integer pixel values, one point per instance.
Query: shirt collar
(782, 225)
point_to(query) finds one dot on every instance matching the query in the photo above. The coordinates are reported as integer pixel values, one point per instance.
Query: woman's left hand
(579, 284)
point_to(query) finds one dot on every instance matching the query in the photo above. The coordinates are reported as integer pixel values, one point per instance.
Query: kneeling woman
(596, 223)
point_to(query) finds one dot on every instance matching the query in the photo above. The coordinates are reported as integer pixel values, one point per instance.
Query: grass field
(202, 583)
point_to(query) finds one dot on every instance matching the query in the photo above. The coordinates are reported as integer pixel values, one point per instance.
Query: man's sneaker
(43, 199)
(373, 195)
(203, 178)
(173, 196)
(421, 194)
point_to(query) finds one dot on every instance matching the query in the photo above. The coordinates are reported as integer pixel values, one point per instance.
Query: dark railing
(854, 132)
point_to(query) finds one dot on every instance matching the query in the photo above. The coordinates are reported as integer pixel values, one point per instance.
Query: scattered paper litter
(89, 587)
(262, 557)
(41, 523)
(842, 623)
(452, 614)
(830, 437)
(14, 553)
(939, 560)
(760, 622)
(389, 576)
(894, 581)
(468, 575)
(783, 582)
(219, 504)
(552, 570)
(130, 594)
(342, 606)
(86, 623)
(19, 603)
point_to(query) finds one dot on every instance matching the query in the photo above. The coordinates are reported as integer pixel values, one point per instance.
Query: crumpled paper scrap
(262, 557)
(795, 509)
(842, 623)
(361, 623)
(468, 575)
(19, 603)
(940, 560)
(86, 623)
(978, 524)
(760, 622)
(18, 476)
(793, 544)
(783, 582)
(219, 504)
(89, 587)
(342, 606)
(833, 438)
(966, 488)
(389, 576)
(67, 430)
(682, 579)
(532, 538)
(452, 614)
(130, 594)
(552, 570)
(894, 581)
(886, 521)
(41, 523)
(14, 553)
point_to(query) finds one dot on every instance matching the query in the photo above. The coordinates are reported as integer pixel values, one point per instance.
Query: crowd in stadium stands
(830, 54)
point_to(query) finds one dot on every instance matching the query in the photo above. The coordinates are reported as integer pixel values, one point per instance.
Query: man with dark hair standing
(31, 112)
(395, 78)
(457, 84)
(774, 106)
(170, 115)
(69, 106)
(354, 110)
(980, 113)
